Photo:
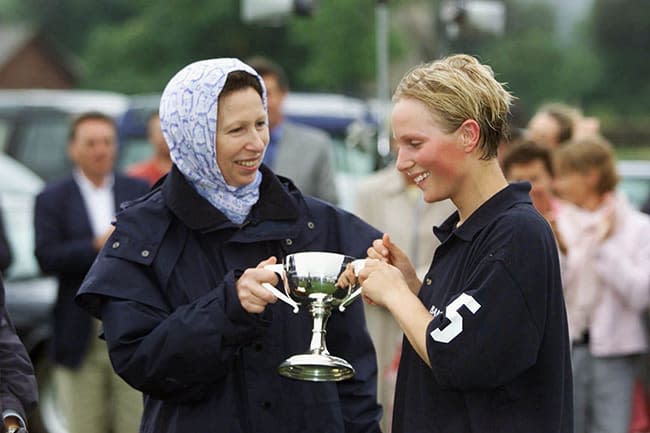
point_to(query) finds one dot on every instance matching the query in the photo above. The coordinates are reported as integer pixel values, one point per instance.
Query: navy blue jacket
(64, 248)
(164, 287)
(18, 391)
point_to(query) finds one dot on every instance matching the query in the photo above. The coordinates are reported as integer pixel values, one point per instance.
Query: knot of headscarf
(188, 118)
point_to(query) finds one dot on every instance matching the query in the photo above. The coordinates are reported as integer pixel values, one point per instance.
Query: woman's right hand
(385, 250)
(253, 297)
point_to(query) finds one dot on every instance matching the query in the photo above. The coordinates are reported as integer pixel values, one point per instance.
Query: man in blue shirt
(486, 345)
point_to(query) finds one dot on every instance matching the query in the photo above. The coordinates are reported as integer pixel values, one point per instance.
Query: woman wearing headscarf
(178, 285)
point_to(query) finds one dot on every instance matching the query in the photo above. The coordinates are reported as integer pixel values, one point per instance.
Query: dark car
(34, 124)
(30, 296)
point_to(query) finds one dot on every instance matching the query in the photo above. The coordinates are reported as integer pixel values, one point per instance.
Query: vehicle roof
(71, 101)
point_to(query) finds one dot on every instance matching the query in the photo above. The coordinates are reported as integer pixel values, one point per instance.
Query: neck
(483, 181)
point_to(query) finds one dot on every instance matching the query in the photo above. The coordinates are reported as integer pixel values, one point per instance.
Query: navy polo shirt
(498, 342)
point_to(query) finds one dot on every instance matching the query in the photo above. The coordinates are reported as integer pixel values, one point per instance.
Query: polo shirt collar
(511, 195)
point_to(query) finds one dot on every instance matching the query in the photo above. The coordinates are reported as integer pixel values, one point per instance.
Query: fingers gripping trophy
(318, 281)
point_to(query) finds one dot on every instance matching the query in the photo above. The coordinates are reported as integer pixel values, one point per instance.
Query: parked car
(635, 180)
(34, 124)
(30, 296)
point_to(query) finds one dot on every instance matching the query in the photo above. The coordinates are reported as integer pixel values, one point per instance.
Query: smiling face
(242, 135)
(433, 158)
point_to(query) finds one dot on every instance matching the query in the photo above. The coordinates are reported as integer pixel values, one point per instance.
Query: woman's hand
(381, 283)
(386, 251)
(253, 297)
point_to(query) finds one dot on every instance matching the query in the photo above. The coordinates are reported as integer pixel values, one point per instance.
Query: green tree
(536, 65)
(621, 31)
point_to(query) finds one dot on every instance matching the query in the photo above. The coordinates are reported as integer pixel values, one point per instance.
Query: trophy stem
(320, 314)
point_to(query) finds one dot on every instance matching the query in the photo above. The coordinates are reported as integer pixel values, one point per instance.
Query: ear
(469, 134)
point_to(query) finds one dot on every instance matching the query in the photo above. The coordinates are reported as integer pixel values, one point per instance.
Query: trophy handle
(279, 269)
(357, 265)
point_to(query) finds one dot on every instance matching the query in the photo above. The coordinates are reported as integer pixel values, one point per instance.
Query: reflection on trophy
(320, 281)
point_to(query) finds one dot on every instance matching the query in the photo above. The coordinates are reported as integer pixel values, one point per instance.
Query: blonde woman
(486, 344)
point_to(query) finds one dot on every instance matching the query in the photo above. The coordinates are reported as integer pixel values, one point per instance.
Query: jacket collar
(483, 216)
(275, 202)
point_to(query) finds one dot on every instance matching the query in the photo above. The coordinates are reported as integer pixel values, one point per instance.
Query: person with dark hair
(160, 163)
(533, 163)
(18, 390)
(72, 220)
(486, 346)
(302, 153)
(178, 286)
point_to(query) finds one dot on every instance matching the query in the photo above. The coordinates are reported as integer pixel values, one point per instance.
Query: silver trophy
(319, 281)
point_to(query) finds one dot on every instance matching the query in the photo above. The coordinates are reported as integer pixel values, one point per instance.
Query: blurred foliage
(135, 46)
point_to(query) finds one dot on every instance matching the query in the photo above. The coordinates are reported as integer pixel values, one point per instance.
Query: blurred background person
(531, 162)
(552, 124)
(5, 249)
(606, 283)
(160, 163)
(390, 201)
(299, 152)
(72, 220)
(18, 389)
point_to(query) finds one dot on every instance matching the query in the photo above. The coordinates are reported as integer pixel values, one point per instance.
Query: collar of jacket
(276, 202)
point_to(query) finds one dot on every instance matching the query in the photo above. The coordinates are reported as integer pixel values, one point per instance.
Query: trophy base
(316, 368)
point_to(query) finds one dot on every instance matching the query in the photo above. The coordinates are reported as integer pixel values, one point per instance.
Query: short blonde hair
(458, 88)
(581, 156)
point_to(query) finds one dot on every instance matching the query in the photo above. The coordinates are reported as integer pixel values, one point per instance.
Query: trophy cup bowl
(318, 281)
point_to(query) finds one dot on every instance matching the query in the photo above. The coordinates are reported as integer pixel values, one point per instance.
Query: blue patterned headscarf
(188, 117)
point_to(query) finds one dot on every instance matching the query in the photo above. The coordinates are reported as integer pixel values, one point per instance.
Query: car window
(636, 189)
(42, 146)
(133, 150)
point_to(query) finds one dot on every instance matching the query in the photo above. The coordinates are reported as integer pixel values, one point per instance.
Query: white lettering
(455, 327)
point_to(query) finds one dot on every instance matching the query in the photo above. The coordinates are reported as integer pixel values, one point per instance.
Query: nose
(403, 163)
(258, 140)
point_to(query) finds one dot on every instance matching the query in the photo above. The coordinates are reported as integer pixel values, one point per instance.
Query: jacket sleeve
(168, 353)
(492, 331)
(57, 253)
(18, 390)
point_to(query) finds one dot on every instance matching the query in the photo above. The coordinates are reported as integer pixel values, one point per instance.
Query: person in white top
(606, 276)
(72, 221)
